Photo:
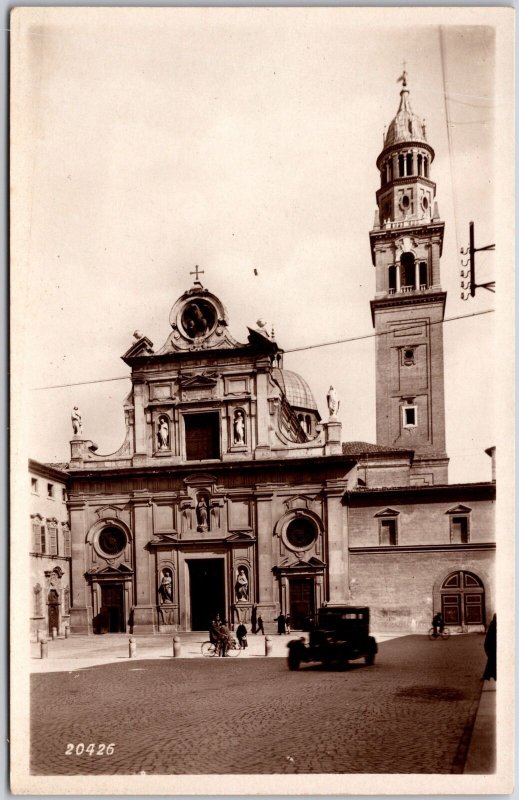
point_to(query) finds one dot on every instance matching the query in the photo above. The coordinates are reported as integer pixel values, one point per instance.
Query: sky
(151, 140)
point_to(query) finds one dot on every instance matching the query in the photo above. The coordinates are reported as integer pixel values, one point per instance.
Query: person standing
(287, 623)
(259, 624)
(224, 638)
(490, 650)
(241, 635)
(281, 621)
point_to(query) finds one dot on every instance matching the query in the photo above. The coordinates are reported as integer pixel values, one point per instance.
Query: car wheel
(369, 659)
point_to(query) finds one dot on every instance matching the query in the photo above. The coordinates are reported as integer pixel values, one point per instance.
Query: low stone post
(44, 648)
(54, 633)
(67, 631)
(268, 645)
(132, 647)
(177, 647)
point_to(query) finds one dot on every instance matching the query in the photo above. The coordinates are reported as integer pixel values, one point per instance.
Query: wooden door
(112, 601)
(302, 602)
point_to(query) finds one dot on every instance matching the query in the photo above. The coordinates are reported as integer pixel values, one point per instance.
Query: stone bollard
(268, 645)
(132, 646)
(44, 648)
(177, 647)
(54, 633)
(67, 631)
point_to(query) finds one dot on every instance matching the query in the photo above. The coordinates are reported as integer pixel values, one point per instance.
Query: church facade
(229, 493)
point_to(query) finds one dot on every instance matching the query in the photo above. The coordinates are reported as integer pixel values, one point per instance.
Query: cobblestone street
(412, 712)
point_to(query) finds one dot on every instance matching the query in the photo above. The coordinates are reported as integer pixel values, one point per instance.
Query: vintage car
(340, 634)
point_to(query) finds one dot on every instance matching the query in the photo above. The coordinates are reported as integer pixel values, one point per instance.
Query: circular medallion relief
(112, 541)
(301, 533)
(198, 318)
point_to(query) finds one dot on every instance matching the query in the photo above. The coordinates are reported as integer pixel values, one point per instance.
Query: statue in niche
(242, 585)
(239, 427)
(77, 426)
(163, 434)
(166, 587)
(202, 514)
(333, 402)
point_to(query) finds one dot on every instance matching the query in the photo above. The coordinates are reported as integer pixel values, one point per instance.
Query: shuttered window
(52, 530)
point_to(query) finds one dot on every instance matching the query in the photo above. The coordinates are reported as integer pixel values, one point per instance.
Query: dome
(295, 389)
(406, 126)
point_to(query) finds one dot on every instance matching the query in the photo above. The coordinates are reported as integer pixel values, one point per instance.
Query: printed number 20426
(90, 749)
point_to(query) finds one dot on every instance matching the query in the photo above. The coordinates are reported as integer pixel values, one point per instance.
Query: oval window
(405, 202)
(112, 541)
(301, 533)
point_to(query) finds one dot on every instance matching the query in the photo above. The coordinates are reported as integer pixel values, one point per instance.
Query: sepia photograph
(262, 394)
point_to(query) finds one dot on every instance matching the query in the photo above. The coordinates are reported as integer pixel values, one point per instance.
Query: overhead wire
(401, 329)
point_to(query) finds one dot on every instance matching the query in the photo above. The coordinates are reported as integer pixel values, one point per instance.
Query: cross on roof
(196, 272)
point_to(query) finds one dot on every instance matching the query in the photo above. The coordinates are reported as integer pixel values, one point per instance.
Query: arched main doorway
(463, 599)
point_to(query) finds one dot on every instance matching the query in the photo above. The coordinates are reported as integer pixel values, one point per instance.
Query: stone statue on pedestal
(333, 402)
(77, 426)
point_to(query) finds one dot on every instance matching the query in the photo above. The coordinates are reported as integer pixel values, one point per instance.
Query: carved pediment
(300, 564)
(388, 512)
(109, 511)
(298, 501)
(164, 538)
(142, 347)
(203, 380)
(239, 536)
(459, 510)
(110, 572)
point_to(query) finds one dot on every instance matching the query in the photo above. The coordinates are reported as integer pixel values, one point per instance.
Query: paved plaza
(412, 712)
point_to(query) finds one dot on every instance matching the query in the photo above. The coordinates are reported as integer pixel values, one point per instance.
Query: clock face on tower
(198, 318)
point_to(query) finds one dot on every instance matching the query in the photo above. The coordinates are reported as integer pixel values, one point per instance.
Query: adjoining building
(50, 549)
(229, 493)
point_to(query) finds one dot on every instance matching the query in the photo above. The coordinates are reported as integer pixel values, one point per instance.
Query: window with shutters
(202, 436)
(52, 531)
(38, 534)
(67, 549)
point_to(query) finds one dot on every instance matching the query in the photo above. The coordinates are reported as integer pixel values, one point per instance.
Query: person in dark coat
(490, 649)
(259, 623)
(254, 619)
(281, 624)
(241, 635)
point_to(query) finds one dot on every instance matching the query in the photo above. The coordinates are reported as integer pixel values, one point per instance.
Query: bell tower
(409, 304)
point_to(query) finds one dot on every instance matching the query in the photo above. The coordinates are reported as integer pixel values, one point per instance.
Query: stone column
(144, 597)
(337, 559)
(398, 275)
(80, 595)
(417, 274)
(415, 163)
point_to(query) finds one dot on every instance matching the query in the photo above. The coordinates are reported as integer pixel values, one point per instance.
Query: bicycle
(210, 649)
(444, 634)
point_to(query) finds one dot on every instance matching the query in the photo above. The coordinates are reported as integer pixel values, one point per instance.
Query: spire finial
(403, 76)
(197, 271)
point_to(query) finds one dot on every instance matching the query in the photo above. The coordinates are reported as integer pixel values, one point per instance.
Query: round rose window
(301, 533)
(198, 318)
(112, 541)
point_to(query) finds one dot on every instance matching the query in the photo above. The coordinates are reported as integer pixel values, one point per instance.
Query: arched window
(409, 163)
(391, 278)
(401, 166)
(420, 164)
(463, 599)
(426, 167)
(308, 421)
(408, 272)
